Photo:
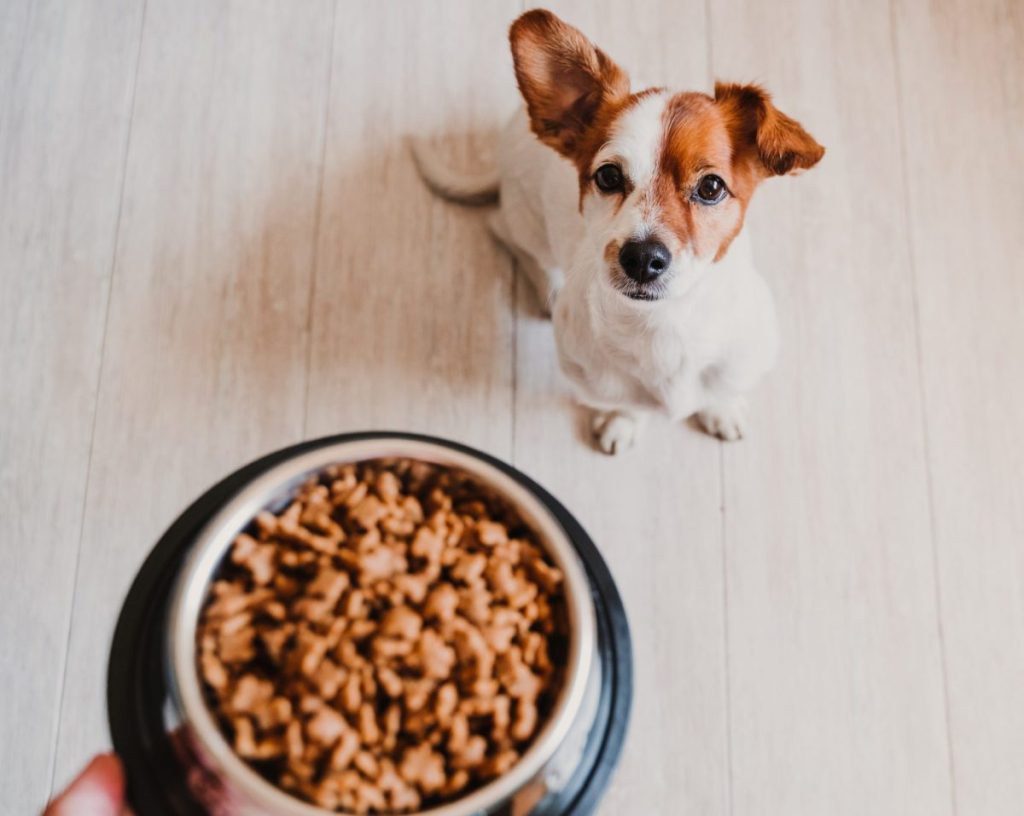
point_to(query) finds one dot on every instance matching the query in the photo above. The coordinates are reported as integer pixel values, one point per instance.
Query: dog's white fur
(697, 350)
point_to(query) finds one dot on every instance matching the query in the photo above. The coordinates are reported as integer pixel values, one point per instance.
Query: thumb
(98, 791)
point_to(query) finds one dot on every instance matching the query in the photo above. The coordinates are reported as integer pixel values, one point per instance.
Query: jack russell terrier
(625, 210)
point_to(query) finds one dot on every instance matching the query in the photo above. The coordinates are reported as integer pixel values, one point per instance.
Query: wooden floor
(213, 243)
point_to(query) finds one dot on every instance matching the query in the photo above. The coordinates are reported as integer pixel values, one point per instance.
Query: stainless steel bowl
(224, 784)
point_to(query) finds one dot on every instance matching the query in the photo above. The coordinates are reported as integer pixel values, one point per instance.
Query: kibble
(388, 642)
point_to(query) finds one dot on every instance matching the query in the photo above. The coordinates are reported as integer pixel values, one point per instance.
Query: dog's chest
(643, 361)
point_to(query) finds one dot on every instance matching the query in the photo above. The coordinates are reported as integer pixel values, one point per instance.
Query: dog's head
(665, 178)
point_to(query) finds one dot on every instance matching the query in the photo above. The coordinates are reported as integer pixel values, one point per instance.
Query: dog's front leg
(720, 411)
(683, 394)
(723, 409)
(616, 431)
(725, 416)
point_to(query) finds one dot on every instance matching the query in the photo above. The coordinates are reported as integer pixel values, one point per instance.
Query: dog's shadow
(351, 300)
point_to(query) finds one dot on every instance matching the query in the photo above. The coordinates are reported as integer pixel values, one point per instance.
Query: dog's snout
(644, 260)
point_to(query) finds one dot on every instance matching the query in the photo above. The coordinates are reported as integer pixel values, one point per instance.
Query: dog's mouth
(643, 292)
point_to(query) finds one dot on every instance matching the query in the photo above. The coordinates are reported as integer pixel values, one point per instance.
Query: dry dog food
(386, 643)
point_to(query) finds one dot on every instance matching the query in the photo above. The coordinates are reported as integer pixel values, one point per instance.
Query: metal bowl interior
(270, 489)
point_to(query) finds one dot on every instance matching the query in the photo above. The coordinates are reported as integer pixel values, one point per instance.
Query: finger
(98, 790)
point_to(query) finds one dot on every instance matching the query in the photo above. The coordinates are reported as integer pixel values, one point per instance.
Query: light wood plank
(655, 511)
(962, 88)
(836, 679)
(66, 76)
(412, 325)
(205, 354)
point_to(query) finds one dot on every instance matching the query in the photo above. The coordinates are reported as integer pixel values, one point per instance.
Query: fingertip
(108, 771)
(98, 790)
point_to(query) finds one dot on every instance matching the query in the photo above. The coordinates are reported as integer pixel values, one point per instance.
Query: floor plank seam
(923, 399)
(318, 218)
(95, 412)
(726, 661)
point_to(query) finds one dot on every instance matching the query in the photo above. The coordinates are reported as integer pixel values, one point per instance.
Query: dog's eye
(608, 178)
(710, 189)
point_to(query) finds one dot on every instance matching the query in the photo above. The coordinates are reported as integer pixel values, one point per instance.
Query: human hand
(97, 791)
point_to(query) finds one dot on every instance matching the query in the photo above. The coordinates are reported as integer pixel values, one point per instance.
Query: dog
(625, 209)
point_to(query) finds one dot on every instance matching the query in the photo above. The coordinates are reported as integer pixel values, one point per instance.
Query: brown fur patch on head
(741, 137)
(568, 83)
(697, 142)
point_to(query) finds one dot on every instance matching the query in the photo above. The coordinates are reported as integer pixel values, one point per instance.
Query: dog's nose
(644, 260)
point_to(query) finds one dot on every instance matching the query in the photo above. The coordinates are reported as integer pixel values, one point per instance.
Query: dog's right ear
(780, 143)
(564, 78)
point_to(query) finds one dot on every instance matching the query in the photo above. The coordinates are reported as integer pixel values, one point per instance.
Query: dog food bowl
(176, 758)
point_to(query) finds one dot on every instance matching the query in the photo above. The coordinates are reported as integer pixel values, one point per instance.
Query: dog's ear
(779, 142)
(563, 77)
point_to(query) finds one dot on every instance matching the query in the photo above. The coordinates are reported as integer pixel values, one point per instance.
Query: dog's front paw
(615, 431)
(727, 420)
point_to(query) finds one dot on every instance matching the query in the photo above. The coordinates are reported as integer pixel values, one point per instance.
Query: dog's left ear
(782, 145)
(564, 78)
